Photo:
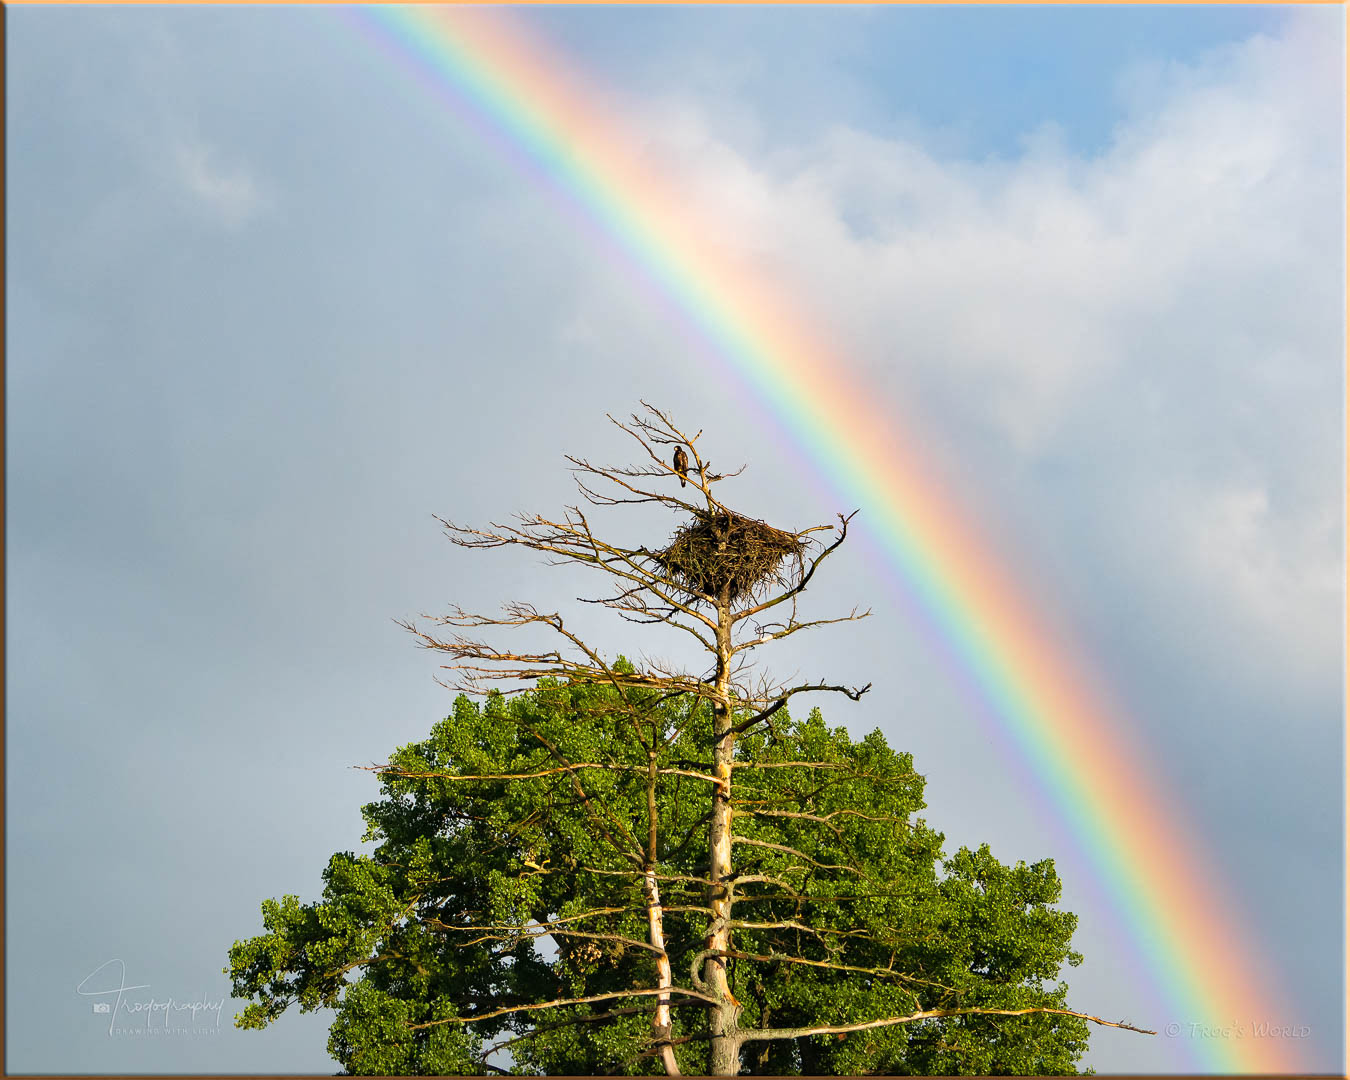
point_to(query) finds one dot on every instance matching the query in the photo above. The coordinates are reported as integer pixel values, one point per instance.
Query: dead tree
(733, 584)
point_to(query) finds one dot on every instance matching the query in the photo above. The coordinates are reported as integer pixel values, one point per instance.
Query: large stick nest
(723, 550)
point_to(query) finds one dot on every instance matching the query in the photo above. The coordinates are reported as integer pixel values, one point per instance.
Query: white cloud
(228, 190)
(1238, 543)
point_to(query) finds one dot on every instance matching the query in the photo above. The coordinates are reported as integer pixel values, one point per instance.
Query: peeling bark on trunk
(664, 980)
(724, 1059)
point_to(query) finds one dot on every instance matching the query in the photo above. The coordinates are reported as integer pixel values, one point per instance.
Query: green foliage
(855, 917)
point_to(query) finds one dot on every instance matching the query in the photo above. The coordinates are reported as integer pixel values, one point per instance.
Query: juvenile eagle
(681, 463)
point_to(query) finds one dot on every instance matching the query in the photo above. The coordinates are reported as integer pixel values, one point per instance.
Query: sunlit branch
(760, 1034)
(786, 850)
(558, 1003)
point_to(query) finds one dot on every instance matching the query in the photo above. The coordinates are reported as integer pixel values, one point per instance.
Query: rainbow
(540, 111)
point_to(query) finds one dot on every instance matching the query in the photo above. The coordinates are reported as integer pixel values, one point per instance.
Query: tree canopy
(484, 896)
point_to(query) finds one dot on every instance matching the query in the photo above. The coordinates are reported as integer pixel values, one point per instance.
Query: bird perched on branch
(681, 463)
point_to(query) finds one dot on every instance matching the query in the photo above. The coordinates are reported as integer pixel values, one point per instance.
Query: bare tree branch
(800, 587)
(557, 1003)
(760, 1034)
(785, 849)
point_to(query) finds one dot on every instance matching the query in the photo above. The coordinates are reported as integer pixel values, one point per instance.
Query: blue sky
(271, 306)
(975, 79)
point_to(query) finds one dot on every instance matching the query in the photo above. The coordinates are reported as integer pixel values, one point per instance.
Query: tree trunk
(661, 1021)
(724, 1059)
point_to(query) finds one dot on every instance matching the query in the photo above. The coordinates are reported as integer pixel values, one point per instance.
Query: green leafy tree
(609, 865)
